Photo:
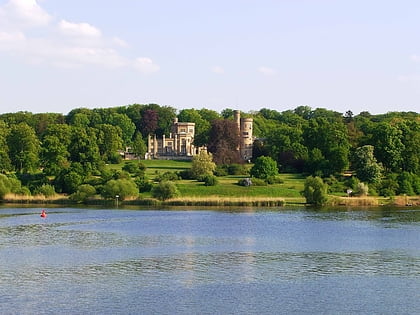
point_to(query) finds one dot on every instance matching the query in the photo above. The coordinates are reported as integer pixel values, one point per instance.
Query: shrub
(264, 167)
(221, 170)
(122, 187)
(185, 174)
(315, 191)
(143, 184)
(274, 180)
(165, 190)
(210, 180)
(115, 158)
(237, 169)
(83, 193)
(47, 190)
(133, 167)
(4, 186)
(167, 176)
(259, 182)
(202, 164)
(362, 189)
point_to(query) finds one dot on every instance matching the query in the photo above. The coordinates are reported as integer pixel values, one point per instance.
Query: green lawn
(290, 188)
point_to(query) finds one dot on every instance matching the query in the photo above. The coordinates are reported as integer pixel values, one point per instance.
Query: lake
(198, 261)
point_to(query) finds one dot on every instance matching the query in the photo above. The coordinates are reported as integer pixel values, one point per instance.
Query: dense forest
(51, 151)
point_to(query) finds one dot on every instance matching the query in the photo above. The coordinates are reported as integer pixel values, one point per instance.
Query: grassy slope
(227, 187)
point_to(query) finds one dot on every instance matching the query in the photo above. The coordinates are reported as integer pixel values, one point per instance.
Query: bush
(133, 167)
(167, 176)
(4, 186)
(315, 191)
(143, 184)
(264, 167)
(185, 174)
(115, 158)
(165, 190)
(83, 193)
(124, 188)
(362, 189)
(274, 180)
(47, 190)
(202, 164)
(210, 180)
(259, 182)
(237, 169)
(221, 170)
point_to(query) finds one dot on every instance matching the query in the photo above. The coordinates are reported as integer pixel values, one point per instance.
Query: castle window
(245, 133)
(183, 130)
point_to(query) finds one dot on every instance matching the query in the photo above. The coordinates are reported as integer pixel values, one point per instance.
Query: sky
(358, 55)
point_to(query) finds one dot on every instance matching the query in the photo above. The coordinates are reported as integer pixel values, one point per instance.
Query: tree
(123, 188)
(109, 141)
(315, 191)
(224, 142)
(329, 135)
(125, 124)
(54, 152)
(202, 164)
(149, 122)
(264, 167)
(388, 146)
(165, 190)
(83, 193)
(5, 164)
(24, 148)
(84, 149)
(365, 164)
(139, 146)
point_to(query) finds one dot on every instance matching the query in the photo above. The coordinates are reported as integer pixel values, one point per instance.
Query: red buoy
(43, 214)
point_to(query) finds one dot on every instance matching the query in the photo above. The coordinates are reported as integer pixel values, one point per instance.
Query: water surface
(249, 261)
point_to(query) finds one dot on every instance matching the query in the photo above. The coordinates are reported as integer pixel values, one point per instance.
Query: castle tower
(245, 134)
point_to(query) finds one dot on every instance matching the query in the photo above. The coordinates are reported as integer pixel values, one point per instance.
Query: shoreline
(221, 201)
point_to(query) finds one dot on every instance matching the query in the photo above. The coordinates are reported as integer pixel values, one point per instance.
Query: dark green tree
(54, 151)
(5, 164)
(84, 149)
(264, 167)
(139, 146)
(24, 148)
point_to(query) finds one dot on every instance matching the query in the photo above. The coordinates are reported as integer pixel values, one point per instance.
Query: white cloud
(61, 44)
(120, 42)
(266, 71)
(78, 29)
(27, 12)
(218, 69)
(146, 65)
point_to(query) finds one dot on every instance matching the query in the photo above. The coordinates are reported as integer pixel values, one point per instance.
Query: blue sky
(57, 55)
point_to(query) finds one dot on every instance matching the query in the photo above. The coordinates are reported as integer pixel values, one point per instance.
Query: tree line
(67, 151)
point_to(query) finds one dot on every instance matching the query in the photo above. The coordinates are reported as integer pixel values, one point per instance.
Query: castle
(180, 143)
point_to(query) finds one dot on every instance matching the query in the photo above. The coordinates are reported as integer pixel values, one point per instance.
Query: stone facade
(179, 144)
(245, 133)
